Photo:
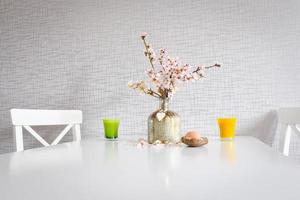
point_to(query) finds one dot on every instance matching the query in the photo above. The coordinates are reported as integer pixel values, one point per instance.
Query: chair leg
(287, 140)
(76, 132)
(282, 132)
(18, 132)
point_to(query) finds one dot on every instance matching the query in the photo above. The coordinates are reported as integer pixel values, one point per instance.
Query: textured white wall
(80, 54)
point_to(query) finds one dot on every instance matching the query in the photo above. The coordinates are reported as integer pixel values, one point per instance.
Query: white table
(103, 170)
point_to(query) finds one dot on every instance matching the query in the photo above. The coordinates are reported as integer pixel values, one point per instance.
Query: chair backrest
(289, 115)
(289, 119)
(25, 118)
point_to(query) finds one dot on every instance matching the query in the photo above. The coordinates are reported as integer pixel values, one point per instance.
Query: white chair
(289, 119)
(25, 118)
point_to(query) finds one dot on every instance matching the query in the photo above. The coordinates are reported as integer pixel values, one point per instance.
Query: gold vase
(163, 124)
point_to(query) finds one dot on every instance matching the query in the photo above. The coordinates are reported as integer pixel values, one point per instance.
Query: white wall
(80, 54)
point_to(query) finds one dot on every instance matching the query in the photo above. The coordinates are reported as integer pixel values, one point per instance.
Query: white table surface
(104, 170)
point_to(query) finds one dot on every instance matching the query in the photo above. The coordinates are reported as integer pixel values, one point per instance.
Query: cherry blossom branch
(201, 68)
(142, 87)
(149, 53)
(170, 72)
(153, 93)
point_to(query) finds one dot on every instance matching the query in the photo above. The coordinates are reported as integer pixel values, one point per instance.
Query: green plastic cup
(111, 127)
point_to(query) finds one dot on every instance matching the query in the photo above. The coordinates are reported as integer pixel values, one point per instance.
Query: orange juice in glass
(227, 128)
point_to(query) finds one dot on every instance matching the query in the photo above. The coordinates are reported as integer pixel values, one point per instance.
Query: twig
(153, 93)
(148, 53)
(208, 67)
(215, 65)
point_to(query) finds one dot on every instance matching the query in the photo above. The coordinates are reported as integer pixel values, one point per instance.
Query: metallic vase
(164, 125)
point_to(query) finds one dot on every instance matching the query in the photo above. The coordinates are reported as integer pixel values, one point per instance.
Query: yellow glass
(227, 128)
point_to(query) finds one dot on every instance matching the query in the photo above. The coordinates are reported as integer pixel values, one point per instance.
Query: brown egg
(192, 135)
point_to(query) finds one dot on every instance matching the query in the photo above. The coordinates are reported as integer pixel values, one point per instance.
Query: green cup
(111, 127)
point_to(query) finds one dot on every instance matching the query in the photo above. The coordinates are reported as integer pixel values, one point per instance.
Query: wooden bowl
(194, 142)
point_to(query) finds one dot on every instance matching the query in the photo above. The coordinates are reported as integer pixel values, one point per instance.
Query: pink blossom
(144, 34)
